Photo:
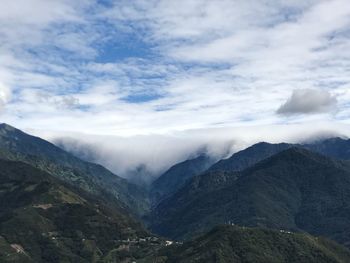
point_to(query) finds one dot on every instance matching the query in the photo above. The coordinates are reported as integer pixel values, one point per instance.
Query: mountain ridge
(288, 191)
(17, 145)
(177, 175)
(233, 244)
(43, 219)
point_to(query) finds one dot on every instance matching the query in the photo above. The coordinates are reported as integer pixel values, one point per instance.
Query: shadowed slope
(176, 176)
(295, 189)
(233, 244)
(19, 146)
(45, 220)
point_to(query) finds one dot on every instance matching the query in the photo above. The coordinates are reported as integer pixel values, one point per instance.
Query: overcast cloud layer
(151, 68)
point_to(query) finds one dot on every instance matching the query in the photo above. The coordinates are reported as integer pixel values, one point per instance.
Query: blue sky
(164, 68)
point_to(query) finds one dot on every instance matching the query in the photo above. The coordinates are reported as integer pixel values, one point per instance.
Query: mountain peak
(7, 127)
(20, 146)
(330, 139)
(248, 157)
(294, 189)
(297, 151)
(295, 154)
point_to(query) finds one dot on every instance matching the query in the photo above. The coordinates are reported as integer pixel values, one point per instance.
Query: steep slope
(232, 244)
(174, 178)
(334, 147)
(19, 146)
(295, 189)
(45, 220)
(249, 156)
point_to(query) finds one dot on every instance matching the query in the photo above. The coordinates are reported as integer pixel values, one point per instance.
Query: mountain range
(267, 203)
(178, 174)
(295, 189)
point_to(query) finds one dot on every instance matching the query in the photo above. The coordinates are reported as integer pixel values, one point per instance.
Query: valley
(266, 203)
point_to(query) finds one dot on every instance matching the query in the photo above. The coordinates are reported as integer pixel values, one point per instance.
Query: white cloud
(159, 152)
(308, 101)
(161, 67)
(4, 95)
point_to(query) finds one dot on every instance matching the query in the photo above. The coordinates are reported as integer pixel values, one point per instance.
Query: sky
(175, 76)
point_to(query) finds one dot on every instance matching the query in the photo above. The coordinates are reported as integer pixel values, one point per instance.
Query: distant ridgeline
(267, 203)
(175, 178)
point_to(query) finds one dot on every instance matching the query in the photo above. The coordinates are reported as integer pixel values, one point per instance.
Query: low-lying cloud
(308, 101)
(156, 153)
(153, 153)
(199, 65)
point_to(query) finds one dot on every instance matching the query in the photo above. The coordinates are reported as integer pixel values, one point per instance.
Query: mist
(151, 155)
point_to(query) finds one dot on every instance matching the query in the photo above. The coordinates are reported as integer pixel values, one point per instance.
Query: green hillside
(249, 156)
(43, 219)
(232, 244)
(295, 189)
(174, 178)
(19, 146)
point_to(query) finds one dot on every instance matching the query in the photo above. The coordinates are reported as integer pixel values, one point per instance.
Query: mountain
(232, 244)
(43, 219)
(19, 146)
(333, 147)
(175, 177)
(249, 156)
(295, 189)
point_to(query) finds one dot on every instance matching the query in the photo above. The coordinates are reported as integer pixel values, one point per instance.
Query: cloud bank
(143, 67)
(157, 68)
(156, 153)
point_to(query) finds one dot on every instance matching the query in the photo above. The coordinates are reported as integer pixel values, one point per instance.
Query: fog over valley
(175, 131)
(156, 153)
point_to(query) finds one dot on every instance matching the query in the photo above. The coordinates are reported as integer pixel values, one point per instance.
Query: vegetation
(332, 147)
(234, 244)
(176, 176)
(18, 146)
(296, 190)
(43, 219)
(250, 156)
(55, 207)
